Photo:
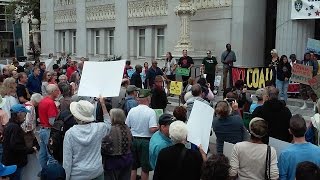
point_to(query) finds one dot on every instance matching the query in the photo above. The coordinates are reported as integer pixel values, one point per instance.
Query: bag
(267, 172)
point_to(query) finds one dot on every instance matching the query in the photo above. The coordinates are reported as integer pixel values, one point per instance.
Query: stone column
(68, 45)
(185, 10)
(48, 45)
(121, 33)
(81, 28)
(25, 35)
(291, 35)
(172, 30)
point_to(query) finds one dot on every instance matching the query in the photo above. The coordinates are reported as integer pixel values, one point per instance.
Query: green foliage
(22, 8)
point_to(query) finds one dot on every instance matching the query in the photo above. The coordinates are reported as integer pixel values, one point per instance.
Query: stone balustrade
(100, 13)
(65, 16)
(147, 8)
(64, 2)
(208, 4)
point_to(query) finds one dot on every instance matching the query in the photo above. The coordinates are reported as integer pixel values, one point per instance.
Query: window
(111, 42)
(74, 42)
(63, 42)
(160, 42)
(97, 42)
(141, 43)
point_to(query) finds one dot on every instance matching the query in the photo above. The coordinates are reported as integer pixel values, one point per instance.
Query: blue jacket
(130, 103)
(34, 84)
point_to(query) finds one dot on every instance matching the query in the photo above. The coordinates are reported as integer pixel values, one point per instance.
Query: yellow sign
(176, 88)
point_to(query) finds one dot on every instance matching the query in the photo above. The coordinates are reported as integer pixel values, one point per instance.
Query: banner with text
(255, 78)
(305, 9)
(315, 84)
(301, 73)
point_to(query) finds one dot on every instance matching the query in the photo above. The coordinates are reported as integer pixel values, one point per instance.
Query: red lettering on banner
(237, 74)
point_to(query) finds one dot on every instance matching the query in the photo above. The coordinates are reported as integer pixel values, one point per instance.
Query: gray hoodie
(190, 103)
(82, 150)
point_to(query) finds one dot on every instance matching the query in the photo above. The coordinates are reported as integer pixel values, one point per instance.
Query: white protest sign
(278, 145)
(227, 149)
(199, 124)
(101, 78)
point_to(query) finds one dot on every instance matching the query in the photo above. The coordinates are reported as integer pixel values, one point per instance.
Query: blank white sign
(101, 78)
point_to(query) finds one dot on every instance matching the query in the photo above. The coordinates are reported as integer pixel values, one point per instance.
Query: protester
(15, 150)
(22, 91)
(5, 72)
(185, 62)
(216, 168)
(197, 95)
(126, 68)
(209, 67)
(142, 122)
(306, 91)
(74, 82)
(66, 93)
(160, 139)
(63, 78)
(144, 74)
(293, 59)
(228, 57)
(9, 92)
(180, 113)
(227, 127)
(249, 158)
(283, 76)
(80, 67)
(116, 148)
(307, 171)
(178, 162)
(273, 64)
(243, 97)
(45, 82)
(4, 119)
(42, 66)
(298, 152)
(82, 143)
(153, 71)
(5, 171)
(71, 69)
(159, 98)
(206, 89)
(47, 114)
(276, 114)
(118, 102)
(261, 95)
(29, 125)
(57, 72)
(53, 78)
(34, 81)
(170, 69)
(136, 77)
(130, 99)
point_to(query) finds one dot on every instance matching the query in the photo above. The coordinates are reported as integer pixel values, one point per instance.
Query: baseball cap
(260, 92)
(19, 108)
(143, 93)
(53, 171)
(132, 88)
(166, 119)
(7, 170)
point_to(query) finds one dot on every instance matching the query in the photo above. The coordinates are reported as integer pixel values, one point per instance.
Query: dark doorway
(271, 22)
(317, 29)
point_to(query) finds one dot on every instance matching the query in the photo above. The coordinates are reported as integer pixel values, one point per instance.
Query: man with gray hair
(197, 94)
(48, 112)
(276, 114)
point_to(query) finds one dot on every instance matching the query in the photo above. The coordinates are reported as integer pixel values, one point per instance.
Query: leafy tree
(22, 8)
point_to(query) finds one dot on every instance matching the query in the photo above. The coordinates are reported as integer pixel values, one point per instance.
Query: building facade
(145, 29)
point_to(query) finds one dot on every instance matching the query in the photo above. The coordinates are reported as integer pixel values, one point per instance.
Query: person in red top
(48, 112)
(71, 69)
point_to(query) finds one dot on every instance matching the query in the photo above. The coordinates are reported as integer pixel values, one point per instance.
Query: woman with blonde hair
(9, 93)
(273, 64)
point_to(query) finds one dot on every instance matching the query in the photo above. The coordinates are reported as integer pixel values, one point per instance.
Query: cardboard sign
(176, 88)
(315, 84)
(301, 73)
(255, 78)
(183, 71)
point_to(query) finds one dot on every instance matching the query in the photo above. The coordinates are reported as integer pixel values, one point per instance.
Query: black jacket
(15, 150)
(158, 99)
(278, 117)
(170, 167)
(136, 80)
(283, 71)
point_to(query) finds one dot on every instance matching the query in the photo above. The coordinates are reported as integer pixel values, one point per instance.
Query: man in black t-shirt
(185, 62)
(209, 66)
(22, 91)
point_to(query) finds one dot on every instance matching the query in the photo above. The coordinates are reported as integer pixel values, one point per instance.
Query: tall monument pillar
(184, 10)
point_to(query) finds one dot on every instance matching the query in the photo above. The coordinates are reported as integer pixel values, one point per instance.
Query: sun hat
(2, 101)
(7, 170)
(19, 108)
(82, 110)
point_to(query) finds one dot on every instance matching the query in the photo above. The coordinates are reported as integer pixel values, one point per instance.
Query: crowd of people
(100, 138)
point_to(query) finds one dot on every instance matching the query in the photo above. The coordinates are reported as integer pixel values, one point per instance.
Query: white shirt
(169, 66)
(10, 101)
(248, 161)
(140, 119)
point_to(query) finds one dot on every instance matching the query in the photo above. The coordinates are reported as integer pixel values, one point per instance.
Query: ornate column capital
(185, 7)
